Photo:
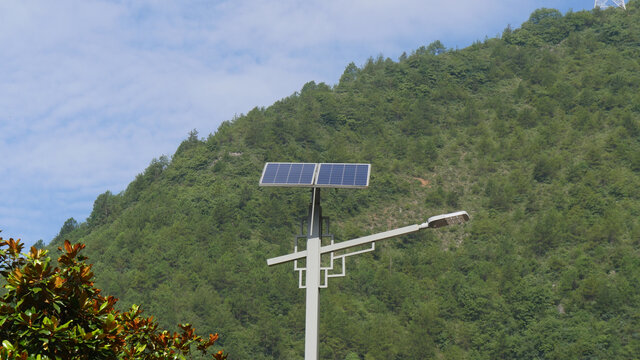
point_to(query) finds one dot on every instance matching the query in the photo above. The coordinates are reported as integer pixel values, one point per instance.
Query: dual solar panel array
(316, 175)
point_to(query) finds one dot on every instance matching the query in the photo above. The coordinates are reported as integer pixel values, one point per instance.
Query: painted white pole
(312, 279)
(313, 298)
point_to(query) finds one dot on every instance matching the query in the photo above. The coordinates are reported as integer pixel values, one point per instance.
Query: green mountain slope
(536, 134)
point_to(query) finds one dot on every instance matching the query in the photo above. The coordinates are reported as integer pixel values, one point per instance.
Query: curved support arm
(345, 244)
(433, 222)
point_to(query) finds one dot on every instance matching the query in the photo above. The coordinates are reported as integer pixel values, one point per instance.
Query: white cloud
(91, 91)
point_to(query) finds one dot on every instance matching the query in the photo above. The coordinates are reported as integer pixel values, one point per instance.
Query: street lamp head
(446, 219)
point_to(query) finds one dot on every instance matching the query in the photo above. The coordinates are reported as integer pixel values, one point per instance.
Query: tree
(68, 226)
(104, 207)
(436, 48)
(350, 74)
(56, 313)
(541, 15)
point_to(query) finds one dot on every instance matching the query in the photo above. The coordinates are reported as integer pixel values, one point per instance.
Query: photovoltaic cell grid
(288, 174)
(343, 175)
(319, 175)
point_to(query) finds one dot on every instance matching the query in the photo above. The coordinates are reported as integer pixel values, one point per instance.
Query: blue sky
(91, 91)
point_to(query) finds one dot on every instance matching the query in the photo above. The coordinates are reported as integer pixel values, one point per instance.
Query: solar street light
(330, 175)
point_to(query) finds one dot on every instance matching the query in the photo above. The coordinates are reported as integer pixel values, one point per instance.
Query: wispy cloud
(91, 91)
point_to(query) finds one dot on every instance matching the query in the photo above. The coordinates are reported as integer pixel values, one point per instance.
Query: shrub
(51, 312)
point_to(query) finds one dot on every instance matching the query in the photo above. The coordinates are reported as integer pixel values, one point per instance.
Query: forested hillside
(536, 134)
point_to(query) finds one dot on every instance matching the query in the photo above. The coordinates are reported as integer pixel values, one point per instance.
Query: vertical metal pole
(312, 280)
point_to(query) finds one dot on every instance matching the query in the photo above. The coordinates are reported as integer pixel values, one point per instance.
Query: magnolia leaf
(7, 345)
(65, 325)
(67, 246)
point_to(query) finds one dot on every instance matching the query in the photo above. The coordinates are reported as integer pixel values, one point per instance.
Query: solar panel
(319, 175)
(288, 174)
(343, 175)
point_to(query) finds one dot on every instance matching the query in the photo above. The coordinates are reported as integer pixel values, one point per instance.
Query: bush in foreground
(51, 312)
